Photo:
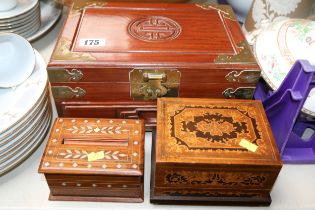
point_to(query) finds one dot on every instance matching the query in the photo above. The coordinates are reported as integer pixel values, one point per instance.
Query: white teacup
(17, 60)
(6, 5)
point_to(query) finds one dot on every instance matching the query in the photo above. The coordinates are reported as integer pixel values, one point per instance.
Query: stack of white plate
(20, 16)
(25, 109)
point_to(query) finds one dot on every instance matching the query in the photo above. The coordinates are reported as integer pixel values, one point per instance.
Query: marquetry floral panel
(215, 179)
(206, 130)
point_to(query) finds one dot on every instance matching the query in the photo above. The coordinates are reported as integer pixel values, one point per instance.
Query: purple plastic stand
(283, 111)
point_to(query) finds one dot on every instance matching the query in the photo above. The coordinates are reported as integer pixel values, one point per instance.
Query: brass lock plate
(148, 84)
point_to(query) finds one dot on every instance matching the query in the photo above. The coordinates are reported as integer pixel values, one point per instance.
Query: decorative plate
(288, 41)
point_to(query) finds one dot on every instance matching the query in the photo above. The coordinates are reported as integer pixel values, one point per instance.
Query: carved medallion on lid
(154, 29)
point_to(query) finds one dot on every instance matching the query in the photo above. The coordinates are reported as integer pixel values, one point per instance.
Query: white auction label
(92, 42)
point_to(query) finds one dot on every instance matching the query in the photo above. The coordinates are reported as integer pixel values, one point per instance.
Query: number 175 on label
(92, 42)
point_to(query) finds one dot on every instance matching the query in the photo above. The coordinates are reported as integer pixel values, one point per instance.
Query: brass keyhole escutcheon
(154, 81)
(152, 84)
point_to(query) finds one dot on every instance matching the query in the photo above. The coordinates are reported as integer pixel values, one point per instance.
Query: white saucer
(17, 60)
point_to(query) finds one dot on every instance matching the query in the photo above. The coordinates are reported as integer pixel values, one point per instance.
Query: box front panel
(104, 92)
(95, 186)
(148, 84)
(222, 177)
(97, 192)
(231, 74)
(112, 100)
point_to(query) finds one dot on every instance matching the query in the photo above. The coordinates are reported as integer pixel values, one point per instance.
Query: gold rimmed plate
(22, 24)
(13, 136)
(26, 151)
(21, 18)
(25, 138)
(26, 117)
(31, 28)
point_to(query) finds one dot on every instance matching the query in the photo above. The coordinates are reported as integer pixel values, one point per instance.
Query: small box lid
(95, 146)
(212, 131)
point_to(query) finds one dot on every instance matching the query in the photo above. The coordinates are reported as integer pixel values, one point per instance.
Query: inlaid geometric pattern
(105, 146)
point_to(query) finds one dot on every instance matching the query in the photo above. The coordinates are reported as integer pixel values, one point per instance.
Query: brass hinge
(245, 76)
(239, 93)
(65, 92)
(64, 75)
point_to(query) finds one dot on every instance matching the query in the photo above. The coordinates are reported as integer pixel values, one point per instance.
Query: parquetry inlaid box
(95, 160)
(115, 59)
(213, 151)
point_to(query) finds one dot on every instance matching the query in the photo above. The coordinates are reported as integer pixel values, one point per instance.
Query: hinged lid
(109, 34)
(95, 146)
(210, 131)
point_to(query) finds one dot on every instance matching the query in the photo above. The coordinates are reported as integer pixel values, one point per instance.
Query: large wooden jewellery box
(213, 151)
(115, 59)
(89, 159)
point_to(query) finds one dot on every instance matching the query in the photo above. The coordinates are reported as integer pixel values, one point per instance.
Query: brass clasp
(152, 84)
